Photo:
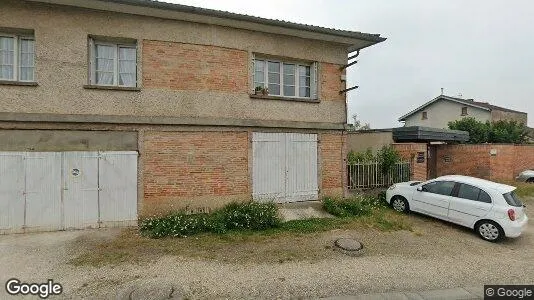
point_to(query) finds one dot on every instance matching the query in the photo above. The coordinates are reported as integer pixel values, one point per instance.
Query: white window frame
(92, 62)
(297, 64)
(17, 56)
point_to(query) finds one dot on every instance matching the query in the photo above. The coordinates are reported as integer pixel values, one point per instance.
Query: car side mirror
(419, 188)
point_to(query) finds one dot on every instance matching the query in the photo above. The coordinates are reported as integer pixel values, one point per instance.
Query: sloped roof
(472, 103)
(122, 5)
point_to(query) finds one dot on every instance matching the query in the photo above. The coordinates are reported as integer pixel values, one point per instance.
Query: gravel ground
(437, 256)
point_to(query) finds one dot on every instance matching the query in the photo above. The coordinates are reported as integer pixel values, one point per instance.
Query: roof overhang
(441, 97)
(352, 39)
(428, 134)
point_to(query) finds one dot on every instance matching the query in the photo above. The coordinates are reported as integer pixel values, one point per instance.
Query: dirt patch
(382, 234)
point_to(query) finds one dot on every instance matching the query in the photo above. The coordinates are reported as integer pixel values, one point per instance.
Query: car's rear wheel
(530, 180)
(400, 204)
(489, 231)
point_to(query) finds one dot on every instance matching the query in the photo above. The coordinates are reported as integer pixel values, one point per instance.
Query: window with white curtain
(17, 58)
(113, 64)
(285, 78)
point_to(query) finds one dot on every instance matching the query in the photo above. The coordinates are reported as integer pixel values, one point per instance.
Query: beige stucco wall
(375, 140)
(61, 67)
(440, 113)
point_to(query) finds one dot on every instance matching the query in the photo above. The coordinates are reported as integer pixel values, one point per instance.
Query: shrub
(251, 215)
(234, 216)
(350, 207)
(503, 131)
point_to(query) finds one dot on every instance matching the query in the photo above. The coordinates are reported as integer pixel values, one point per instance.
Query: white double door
(43, 191)
(284, 167)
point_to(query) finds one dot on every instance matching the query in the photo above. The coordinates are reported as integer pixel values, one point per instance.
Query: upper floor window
(113, 64)
(17, 57)
(424, 116)
(464, 111)
(284, 78)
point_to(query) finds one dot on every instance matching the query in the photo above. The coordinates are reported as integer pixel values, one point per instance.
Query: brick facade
(179, 66)
(207, 169)
(199, 169)
(331, 83)
(488, 161)
(408, 151)
(333, 170)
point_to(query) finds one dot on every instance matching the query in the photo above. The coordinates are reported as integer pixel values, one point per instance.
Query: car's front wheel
(400, 204)
(489, 231)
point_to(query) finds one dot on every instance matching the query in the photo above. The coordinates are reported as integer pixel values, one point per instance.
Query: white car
(526, 176)
(492, 209)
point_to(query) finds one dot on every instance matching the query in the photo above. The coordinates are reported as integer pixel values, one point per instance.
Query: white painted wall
(442, 112)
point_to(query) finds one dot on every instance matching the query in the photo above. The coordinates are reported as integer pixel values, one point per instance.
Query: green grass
(288, 241)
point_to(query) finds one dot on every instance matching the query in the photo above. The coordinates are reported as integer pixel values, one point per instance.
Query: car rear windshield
(512, 199)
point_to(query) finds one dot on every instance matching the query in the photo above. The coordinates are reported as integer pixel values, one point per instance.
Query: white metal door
(117, 174)
(43, 190)
(284, 167)
(268, 166)
(80, 195)
(11, 191)
(301, 162)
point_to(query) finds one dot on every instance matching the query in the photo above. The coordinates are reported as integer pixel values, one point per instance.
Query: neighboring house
(111, 110)
(438, 112)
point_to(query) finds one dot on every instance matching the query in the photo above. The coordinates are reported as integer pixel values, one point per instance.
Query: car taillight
(511, 214)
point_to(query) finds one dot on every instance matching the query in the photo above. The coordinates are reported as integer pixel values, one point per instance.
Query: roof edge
(448, 98)
(122, 5)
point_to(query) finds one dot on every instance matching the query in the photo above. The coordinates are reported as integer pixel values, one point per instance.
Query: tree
(357, 124)
(503, 131)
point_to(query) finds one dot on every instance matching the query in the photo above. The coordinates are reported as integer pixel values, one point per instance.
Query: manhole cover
(349, 246)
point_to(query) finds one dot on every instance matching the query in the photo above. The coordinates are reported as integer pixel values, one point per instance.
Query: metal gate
(284, 167)
(44, 191)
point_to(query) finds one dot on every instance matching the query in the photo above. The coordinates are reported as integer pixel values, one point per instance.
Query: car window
(512, 199)
(470, 192)
(467, 191)
(439, 187)
(484, 197)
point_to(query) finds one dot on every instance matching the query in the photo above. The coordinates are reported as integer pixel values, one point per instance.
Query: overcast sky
(481, 49)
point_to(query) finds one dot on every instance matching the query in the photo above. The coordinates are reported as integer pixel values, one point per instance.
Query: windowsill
(20, 83)
(115, 88)
(270, 97)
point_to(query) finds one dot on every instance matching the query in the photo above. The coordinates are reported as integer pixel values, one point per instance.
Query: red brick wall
(477, 160)
(502, 164)
(523, 158)
(408, 151)
(332, 153)
(331, 82)
(194, 169)
(180, 66)
(470, 160)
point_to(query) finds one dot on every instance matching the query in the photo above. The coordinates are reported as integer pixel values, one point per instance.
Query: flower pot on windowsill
(258, 93)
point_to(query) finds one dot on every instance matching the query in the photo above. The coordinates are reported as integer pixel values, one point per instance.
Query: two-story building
(438, 112)
(114, 110)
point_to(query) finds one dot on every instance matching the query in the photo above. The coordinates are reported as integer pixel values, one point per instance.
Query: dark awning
(428, 134)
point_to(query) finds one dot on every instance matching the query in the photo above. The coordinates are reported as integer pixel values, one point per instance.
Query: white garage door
(43, 191)
(284, 167)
